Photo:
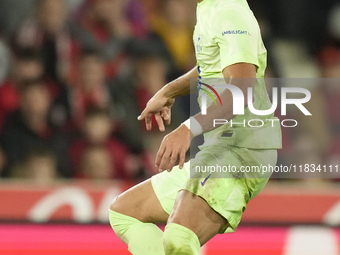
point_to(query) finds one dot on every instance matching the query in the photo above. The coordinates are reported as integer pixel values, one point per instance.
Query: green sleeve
(237, 35)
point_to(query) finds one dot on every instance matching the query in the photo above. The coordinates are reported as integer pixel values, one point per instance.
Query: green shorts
(226, 193)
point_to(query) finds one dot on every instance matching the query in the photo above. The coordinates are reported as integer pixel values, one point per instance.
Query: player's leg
(132, 215)
(141, 203)
(133, 212)
(191, 224)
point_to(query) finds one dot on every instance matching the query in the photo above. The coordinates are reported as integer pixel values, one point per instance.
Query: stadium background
(74, 76)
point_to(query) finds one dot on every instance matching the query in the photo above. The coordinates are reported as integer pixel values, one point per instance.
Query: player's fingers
(166, 115)
(159, 155)
(173, 159)
(143, 115)
(181, 159)
(165, 160)
(148, 121)
(159, 121)
(148, 118)
(169, 114)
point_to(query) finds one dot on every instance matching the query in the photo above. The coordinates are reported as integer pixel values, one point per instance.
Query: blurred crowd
(75, 74)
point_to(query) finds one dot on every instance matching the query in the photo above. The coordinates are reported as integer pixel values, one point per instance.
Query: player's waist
(246, 133)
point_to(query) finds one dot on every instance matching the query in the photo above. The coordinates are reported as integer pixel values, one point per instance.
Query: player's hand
(174, 145)
(160, 106)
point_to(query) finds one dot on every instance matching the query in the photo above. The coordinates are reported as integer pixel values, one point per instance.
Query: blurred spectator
(111, 25)
(39, 166)
(12, 13)
(151, 8)
(27, 65)
(150, 77)
(175, 26)
(151, 68)
(150, 74)
(329, 61)
(28, 128)
(106, 18)
(150, 71)
(91, 88)
(97, 132)
(48, 30)
(97, 163)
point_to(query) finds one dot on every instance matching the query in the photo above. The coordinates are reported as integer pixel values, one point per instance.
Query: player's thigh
(194, 213)
(141, 203)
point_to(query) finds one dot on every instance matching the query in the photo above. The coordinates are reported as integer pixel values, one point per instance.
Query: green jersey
(227, 33)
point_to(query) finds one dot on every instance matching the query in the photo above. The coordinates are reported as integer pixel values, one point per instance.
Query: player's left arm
(176, 144)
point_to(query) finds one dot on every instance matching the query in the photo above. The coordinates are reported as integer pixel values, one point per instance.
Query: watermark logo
(238, 100)
(210, 94)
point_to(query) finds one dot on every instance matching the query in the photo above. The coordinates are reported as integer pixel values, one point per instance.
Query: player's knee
(120, 204)
(180, 241)
(115, 205)
(135, 210)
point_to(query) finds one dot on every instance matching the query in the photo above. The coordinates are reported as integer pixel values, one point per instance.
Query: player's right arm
(160, 104)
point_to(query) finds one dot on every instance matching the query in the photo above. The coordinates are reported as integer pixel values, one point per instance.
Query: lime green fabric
(226, 193)
(179, 240)
(141, 238)
(228, 33)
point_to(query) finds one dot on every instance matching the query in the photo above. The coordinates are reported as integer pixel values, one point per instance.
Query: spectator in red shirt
(27, 65)
(91, 88)
(150, 73)
(98, 132)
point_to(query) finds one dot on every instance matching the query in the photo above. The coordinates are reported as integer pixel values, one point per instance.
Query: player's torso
(207, 36)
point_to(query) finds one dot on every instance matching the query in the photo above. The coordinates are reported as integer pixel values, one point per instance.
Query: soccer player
(228, 45)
